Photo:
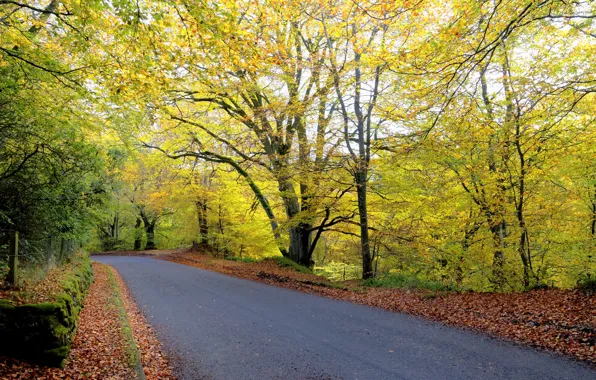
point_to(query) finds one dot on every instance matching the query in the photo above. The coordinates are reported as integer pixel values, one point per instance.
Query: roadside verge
(106, 344)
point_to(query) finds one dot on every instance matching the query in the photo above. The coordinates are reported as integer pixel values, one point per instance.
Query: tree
(258, 98)
(149, 187)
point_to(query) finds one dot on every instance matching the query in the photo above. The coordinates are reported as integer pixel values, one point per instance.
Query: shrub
(587, 284)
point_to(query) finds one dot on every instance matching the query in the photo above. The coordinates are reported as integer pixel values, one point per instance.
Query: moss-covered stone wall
(43, 332)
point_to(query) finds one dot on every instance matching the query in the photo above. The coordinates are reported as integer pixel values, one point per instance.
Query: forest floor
(563, 321)
(103, 346)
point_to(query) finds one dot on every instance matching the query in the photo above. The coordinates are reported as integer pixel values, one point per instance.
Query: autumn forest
(449, 142)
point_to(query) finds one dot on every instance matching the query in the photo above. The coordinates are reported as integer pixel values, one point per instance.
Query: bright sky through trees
(448, 140)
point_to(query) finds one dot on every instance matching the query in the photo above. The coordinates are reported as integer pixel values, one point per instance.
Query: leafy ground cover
(563, 321)
(100, 349)
(45, 290)
(154, 362)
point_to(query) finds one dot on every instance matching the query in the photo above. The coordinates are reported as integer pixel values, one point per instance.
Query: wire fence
(35, 256)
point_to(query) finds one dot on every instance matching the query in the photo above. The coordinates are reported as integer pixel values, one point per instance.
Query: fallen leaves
(99, 350)
(155, 364)
(42, 291)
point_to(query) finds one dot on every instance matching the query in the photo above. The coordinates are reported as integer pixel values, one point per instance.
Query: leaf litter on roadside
(99, 350)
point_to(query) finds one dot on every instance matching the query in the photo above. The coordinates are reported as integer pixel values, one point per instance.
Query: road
(219, 327)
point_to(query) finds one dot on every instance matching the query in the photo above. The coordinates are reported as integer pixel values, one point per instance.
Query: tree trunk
(367, 268)
(137, 243)
(300, 241)
(150, 232)
(300, 234)
(221, 244)
(202, 218)
(498, 232)
(469, 233)
(149, 226)
(525, 255)
(13, 259)
(593, 222)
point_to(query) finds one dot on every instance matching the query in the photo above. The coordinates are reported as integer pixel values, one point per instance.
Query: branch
(27, 157)
(222, 140)
(214, 157)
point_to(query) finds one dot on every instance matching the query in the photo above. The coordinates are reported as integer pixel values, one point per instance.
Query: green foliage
(336, 271)
(405, 281)
(242, 259)
(587, 284)
(284, 262)
(3, 268)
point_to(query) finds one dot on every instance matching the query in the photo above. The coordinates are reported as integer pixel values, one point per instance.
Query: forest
(450, 141)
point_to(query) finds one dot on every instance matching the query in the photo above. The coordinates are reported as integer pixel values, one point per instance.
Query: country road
(220, 327)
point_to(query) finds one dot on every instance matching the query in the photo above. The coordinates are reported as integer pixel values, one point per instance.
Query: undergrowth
(587, 284)
(405, 281)
(242, 259)
(284, 262)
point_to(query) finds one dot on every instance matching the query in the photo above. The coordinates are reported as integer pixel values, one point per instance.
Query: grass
(242, 259)
(281, 261)
(132, 351)
(284, 262)
(404, 281)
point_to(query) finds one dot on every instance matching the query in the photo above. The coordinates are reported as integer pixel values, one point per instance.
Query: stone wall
(43, 332)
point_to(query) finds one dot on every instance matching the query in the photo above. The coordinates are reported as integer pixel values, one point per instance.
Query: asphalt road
(220, 327)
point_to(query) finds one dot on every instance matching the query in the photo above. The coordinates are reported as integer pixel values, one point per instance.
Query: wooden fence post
(49, 254)
(13, 259)
(62, 251)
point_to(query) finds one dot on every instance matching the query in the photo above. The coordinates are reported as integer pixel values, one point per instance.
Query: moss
(41, 308)
(6, 304)
(56, 356)
(43, 332)
(284, 262)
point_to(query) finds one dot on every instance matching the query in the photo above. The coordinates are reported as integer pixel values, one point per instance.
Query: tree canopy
(448, 140)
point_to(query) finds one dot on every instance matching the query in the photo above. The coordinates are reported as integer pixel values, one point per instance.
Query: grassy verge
(404, 281)
(242, 259)
(284, 262)
(131, 348)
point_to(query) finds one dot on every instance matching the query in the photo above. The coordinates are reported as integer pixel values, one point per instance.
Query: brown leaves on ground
(155, 364)
(99, 347)
(43, 291)
(563, 321)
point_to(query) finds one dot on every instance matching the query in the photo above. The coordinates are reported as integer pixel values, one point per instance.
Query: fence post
(13, 259)
(49, 254)
(62, 251)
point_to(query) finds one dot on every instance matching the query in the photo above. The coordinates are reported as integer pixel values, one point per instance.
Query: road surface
(220, 327)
